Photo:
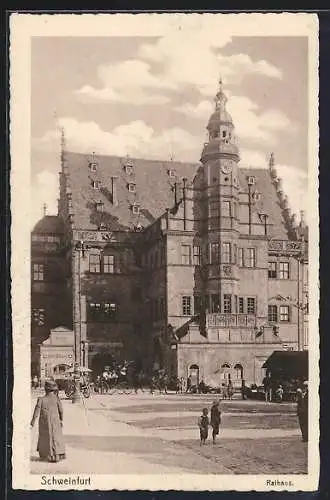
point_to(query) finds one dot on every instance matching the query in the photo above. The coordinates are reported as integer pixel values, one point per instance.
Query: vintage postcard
(164, 202)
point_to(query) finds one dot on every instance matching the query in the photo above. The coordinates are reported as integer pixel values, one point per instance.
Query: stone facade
(197, 268)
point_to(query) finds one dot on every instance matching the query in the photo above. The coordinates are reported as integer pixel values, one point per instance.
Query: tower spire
(220, 98)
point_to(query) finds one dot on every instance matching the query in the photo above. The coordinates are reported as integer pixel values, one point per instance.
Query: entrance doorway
(194, 375)
(60, 369)
(238, 372)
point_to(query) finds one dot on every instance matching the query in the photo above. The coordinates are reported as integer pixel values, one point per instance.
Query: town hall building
(200, 268)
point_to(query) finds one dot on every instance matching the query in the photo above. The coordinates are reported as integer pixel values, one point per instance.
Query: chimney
(272, 168)
(114, 190)
(302, 219)
(184, 203)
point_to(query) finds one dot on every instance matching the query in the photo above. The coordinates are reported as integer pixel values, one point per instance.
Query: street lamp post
(78, 251)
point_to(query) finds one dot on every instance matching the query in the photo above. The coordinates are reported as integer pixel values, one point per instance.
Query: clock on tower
(226, 166)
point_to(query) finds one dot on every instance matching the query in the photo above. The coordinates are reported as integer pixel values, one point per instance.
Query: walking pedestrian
(203, 424)
(267, 383)
(188, 389)
(302, 410)
(49, 411)
(215, 419)
(243, 390)
(230, 390)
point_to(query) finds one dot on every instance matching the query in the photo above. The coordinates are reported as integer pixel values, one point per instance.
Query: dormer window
(131, 187)
(96, 184)
(128, 169)
(93, 166)
(136, 209)
(99, 206)
(171, 172)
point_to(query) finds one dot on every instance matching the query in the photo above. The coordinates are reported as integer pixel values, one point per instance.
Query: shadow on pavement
(152, 450)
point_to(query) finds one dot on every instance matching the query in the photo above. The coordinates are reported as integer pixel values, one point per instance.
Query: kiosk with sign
(56, 353)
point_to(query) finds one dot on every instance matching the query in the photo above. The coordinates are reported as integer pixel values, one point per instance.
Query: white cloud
(175, 55)
(294, 185)
(135, 138)
(252, 159)
(294, 180)
(250, 122)
(44, 191)
(128, 81)
(201, 110)
(178, 53)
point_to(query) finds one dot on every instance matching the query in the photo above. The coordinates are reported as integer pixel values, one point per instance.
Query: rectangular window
(272, 314)
(214, 253)
(94, 263)
(284, 313)
(197, 255)
(110, 310)
(241, 257)
(226, 253)
(241, 305)
(284, 270)
(186, 254)
(250, 257)
(226, 209)
(94, 310)
(38, 316)
(197, 304)
(38, 272)
(272, 270)
(186, 305)
(214, 214)
(215, 303)
(227, 303)
(251, 305)
(109, 264)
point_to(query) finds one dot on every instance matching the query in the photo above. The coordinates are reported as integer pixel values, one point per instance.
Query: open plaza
(158, 434)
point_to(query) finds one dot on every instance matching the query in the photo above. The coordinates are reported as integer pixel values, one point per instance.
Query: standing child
(203, 424)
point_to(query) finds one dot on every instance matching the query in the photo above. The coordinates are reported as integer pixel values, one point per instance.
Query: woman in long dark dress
(49, 410)
(215, 419)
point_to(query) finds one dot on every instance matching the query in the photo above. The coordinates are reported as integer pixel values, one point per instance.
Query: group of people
(204, 422)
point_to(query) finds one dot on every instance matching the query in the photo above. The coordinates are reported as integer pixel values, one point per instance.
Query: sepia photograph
(165, 269)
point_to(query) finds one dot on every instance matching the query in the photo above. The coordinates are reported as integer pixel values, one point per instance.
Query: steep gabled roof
(269, 201)
(49, 224)
(153, 191)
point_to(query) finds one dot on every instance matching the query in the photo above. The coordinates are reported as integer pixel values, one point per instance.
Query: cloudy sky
(152, 97)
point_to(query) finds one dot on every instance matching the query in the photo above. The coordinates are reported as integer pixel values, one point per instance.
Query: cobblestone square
(158, 434)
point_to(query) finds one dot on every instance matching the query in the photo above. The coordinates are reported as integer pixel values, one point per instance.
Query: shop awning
(293, 363)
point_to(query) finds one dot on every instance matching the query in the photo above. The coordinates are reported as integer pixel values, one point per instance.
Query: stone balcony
(230, 320)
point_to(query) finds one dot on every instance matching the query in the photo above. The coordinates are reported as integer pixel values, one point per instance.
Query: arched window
(238, 371)
(225, 371)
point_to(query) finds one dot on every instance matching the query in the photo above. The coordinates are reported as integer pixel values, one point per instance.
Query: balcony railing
(231, 320)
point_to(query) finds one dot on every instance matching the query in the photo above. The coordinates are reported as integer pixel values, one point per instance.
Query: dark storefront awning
(291, 363)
